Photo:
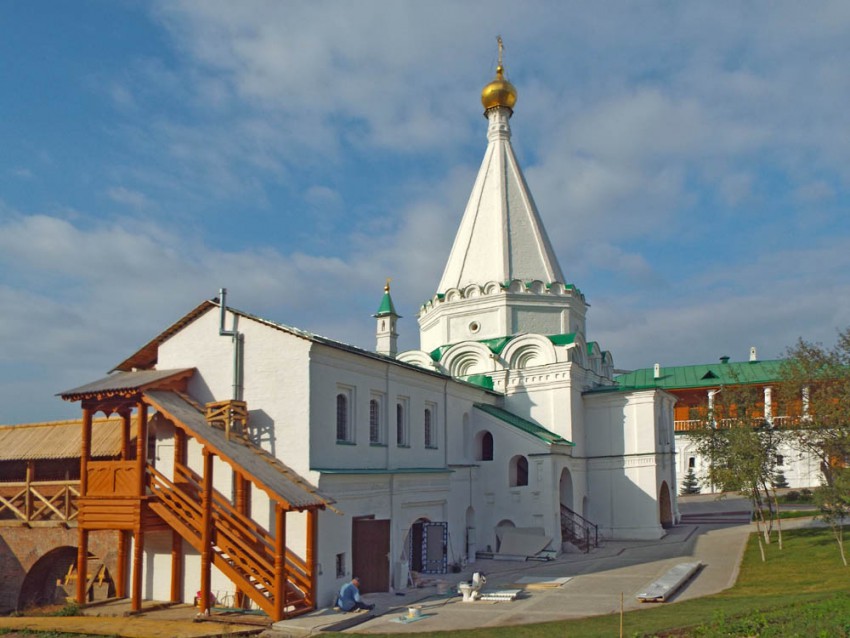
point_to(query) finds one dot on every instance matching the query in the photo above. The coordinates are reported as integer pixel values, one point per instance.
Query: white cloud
(129, 197)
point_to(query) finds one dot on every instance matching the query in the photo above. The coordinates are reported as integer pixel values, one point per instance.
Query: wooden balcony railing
(690, 425)
(39, 503)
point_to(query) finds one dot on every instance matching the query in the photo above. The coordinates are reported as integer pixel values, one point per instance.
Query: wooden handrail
(40, 501)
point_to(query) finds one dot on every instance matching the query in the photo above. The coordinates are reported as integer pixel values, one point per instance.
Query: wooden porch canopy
(279, 482)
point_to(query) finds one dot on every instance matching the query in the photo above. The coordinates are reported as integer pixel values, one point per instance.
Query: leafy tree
(741, 447)
(816, 388)
(817, 380)
(690, 485)
(834, 504)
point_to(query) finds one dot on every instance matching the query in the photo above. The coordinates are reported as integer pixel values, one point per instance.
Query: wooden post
(206, 533)
(138, 554)
(82, 562)
(139, 533)
(279, 561)
(141, 446)
(239, 504)
(121, 575)
(85, 451)
(312, 555)
(28, 492)
(176, 540)
(125, 435)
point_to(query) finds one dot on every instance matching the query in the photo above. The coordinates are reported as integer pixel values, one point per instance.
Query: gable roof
(146, 357)
(61, 439)
(529, 427)
(276, 479)
(703, 375)
(123, 383)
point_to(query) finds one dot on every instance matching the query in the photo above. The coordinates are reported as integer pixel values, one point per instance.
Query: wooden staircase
(241, 549)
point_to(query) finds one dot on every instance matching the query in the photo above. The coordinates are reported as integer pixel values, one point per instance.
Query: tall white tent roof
(501, 237)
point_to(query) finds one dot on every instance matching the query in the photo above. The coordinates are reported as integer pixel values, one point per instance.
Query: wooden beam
(82, 563)
(125, 435)
(240, 483)
(85, 451)
(121, 575)
(28, 494)
(206, 533)
(311, 557)
(279, 562)
(176, 540)
(138, 554)
(141, 445)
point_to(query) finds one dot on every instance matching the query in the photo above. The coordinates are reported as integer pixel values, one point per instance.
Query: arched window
(374, 421)
(485, 446)
(518, 471)
(400, 425)
(342, 432)
(429, 434)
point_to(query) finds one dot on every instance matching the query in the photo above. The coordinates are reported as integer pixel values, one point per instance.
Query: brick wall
(22, 547)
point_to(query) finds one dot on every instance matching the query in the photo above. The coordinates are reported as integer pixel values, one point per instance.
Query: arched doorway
(665, 506)
(53, 578)
(566, 488)
(428, 547)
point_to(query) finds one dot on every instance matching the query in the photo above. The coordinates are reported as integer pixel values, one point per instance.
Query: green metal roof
(386, 307)
(481, 380)
(523, 424)
(703, 375)
(497, 344)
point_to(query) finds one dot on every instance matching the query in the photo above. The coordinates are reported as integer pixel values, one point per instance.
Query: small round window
(474, 327)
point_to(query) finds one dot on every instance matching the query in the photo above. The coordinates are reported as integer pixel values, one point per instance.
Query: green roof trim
(497, 344)
(386, 308)
(481, 380)
(562, 340)
(703, 375)
(523, 424)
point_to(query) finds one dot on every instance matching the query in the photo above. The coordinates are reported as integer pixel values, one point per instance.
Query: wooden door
(370, 552)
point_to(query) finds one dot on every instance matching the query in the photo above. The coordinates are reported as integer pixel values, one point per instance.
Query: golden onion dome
(499, 92)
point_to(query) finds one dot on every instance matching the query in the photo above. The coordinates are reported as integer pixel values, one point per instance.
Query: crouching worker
(349, 597)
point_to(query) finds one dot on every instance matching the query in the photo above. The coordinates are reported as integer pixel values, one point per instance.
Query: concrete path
(713, 531)
(716, 537)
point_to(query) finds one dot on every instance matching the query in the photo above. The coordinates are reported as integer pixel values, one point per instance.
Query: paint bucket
(414, 611)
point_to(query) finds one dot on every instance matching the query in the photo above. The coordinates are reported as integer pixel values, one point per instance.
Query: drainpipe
(237, 345)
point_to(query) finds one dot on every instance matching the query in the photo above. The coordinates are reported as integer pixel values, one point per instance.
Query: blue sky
(690, 162)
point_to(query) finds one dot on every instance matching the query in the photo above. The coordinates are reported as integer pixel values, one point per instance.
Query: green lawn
(800, 591)
(803, 590)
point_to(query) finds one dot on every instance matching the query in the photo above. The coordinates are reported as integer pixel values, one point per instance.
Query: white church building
(503, 433)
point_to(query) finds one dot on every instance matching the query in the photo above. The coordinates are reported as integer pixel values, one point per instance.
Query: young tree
(816, 380)
(741, 446)
(834, 504)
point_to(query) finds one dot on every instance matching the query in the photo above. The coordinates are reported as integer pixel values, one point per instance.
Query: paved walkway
(713, 532)
(716, 537)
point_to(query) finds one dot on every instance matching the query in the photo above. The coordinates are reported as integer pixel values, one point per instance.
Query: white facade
(505, 414)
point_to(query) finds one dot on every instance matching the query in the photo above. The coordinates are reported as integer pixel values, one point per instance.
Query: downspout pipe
(237, 345)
